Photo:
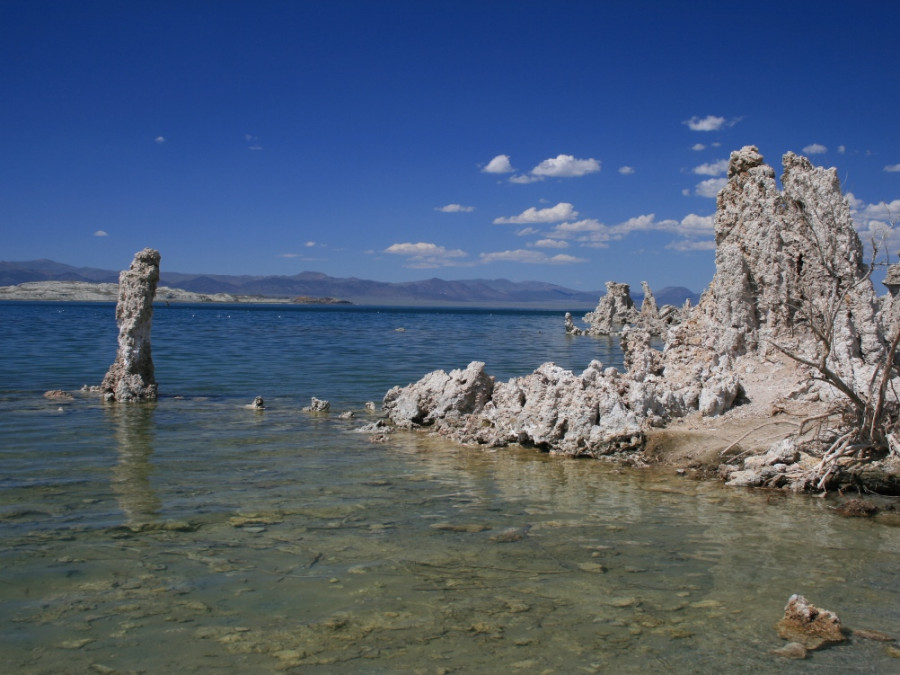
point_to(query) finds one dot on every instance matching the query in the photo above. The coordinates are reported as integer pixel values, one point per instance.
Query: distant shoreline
(84, 291)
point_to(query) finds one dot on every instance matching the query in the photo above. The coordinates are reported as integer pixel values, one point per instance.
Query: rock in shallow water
(806, 624)
(131, 377)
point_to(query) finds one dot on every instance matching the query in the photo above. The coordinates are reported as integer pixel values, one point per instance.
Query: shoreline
(86, 291)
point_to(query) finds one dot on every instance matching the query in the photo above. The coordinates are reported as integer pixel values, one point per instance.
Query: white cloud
(877, 222)
(697, 147)
(712, 168)
(588, 232)
(644, 222)
(591, 233)
(692, 245)
(529, 257)
(423, 255)
(552, 214)
(101, 233)
(626, 170)
(694, 224)
(587, 225)
(550, 243)
(708, 123)
(455, 208)
(288, 255)
(862, 212)
(815, 149)
(500, 164)
(892, 168)
(310, 244)
(566, 166)
(524, 178)
(710, 187)
(159, 139)
(527, 232)
(842, 149)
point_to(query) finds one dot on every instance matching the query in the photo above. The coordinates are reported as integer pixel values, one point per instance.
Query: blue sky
(570, 142)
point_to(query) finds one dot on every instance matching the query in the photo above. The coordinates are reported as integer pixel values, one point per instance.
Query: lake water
(195, 535)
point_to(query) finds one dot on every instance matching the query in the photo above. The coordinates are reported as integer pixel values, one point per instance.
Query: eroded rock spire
(130, 377)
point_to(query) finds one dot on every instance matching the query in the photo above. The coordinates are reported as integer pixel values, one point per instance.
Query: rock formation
(571, 329)
(130, 377)
(317, 405)
(789, 265)
(649, 310)
(614, 309)
(809, 626)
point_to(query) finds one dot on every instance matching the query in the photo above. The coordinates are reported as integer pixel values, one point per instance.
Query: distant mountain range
(493, 292)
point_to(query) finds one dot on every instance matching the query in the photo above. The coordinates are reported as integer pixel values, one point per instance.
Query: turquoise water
(195, 535)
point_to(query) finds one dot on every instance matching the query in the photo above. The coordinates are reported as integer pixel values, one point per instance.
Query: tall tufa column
(130, 377)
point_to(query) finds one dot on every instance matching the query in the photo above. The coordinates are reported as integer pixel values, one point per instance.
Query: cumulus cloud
(310, 244)
(712, 168)
(530, 257)
(892, 168)
(524, 178)
(423, 255)
(696, 230)
(455, 208)
(708, 123)
(589, 232)
(500, 164)
(550, 243)
(101, 233)
(877, 222)
(710, 187)
(552, 214)
(565, 166)
(692, 245)
(626, 170)
(694, 224)
(815, 149)
(159, 139)
(697, 147)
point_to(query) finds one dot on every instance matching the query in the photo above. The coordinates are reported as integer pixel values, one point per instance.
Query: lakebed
(193, 534)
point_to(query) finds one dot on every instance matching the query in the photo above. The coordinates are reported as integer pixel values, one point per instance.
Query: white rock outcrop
(783, 259)
(615, 309)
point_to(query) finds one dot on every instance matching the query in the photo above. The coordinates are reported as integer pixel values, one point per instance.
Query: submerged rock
(131, 376)
(571, 329)
(258, 404)
(317, 405)
(809, 626)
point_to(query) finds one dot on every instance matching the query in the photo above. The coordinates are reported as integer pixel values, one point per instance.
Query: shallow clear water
(194, 535)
